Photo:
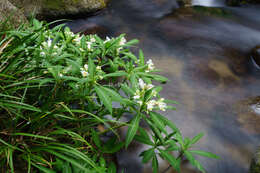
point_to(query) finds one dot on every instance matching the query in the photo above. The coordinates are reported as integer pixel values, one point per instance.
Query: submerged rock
(58, 8)
(255, 55)
(248, 113)
(255, 163)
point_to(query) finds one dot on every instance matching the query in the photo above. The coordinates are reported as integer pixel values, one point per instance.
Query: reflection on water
(205, 56)
(209, 3)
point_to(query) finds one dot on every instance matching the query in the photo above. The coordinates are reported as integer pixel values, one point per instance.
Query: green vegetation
(56, 111)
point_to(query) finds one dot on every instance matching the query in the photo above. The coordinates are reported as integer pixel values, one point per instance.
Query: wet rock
(255, 163)
(10, 12)
(57, 8)
(233, 2)
(248, 114)
(255, 55)
(240, 2)
(184, 3)
(92, 28)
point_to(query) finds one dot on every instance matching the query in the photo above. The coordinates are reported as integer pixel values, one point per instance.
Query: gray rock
(255, 54)
(9, 13)
(57, 8)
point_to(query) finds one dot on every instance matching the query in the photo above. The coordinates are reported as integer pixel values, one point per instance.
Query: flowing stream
(205, 54)
(209, 3)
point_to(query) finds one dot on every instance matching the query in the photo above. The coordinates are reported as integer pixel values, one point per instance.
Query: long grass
(56, 95)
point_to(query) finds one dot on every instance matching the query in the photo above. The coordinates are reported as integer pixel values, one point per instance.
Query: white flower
(140, 102)
(149, 86)
(69, 33)
(122, 41)
(89, 45)
(154, 93)
(150, 105)
(86, 67)
(61, 75)
(141, 83)
(82, 50)
(42, 53)
(107, 39)
(150, 65)
(77, 39)
(145, 86)
(49, 42)
(161, 104)
(98, 68)
(92, 39)
(84, 73)
(137, 95)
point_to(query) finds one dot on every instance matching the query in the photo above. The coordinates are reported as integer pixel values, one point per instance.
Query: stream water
(204, 53)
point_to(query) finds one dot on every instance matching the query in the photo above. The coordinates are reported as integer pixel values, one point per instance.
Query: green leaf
(130, 55)
(196, 138)
(171, 159)
(143, 137)
(131, 42)
(132, 129)
(43, 169)
(95, 138)
(104, 98)
(127, 90)
(91, 67)
(205, 154)
(34, 136)
(116, 74)
(111, 168)
(155, 164)
(133, 81)
(141, 57)
(193, 161)
(19, 105)
(158, 122)
(167, 122)
(147, 155)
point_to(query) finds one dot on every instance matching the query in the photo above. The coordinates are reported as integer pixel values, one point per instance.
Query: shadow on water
(204, 53)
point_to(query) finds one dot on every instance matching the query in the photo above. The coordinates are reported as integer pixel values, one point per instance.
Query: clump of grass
(56, 94)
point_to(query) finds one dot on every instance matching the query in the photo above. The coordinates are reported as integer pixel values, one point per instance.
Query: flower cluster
(99, 73)
(150, 65)
(90, 42)
(47, 45)
(151, 104)
(84, 70)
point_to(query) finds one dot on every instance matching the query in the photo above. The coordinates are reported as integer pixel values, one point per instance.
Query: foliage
(62, 94)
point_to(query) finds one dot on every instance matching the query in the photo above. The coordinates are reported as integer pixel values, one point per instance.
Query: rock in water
(58, 8)
(255, 163)
(255, 54)
(233, 2)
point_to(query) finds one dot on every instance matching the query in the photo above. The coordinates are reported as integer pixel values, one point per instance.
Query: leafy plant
(62, 93)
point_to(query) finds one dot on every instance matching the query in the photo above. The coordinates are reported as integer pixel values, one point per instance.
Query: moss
(54, 4)
(212, 11)
(61, 4)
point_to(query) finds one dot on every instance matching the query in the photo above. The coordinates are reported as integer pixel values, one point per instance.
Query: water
(209, 3)
(205, 56)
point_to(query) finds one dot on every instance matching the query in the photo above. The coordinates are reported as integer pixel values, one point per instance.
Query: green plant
(56, 95)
